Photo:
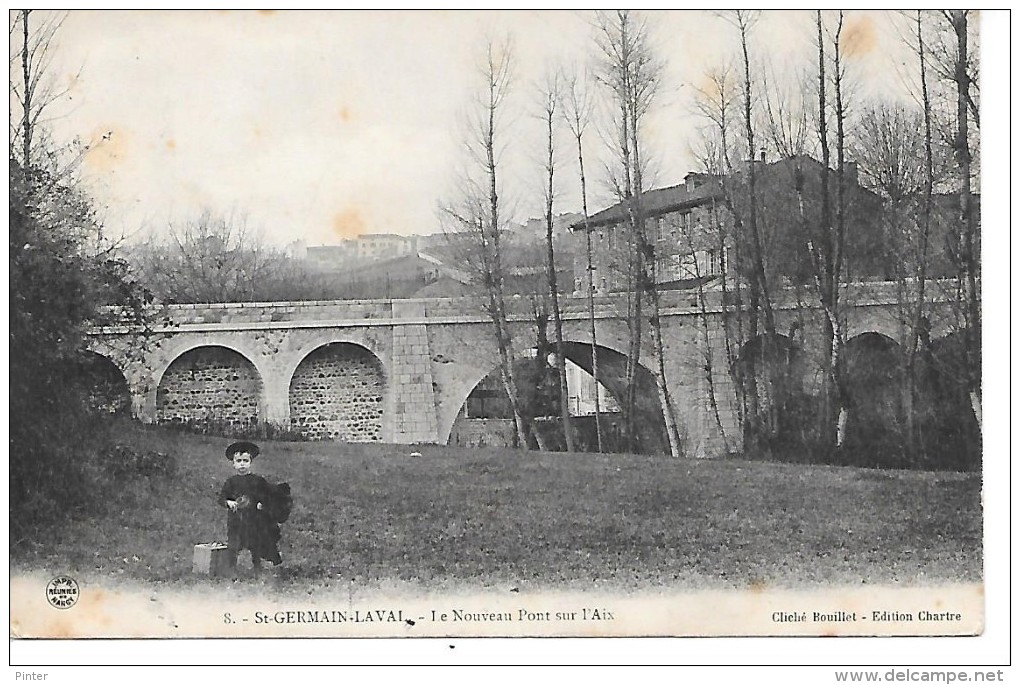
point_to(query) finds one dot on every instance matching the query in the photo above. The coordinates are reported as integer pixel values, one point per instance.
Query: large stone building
(693, 229)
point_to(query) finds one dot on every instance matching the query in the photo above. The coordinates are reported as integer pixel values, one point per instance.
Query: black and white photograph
(501, 324)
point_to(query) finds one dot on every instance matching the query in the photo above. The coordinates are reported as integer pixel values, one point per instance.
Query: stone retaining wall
(209, 385)
(337, 394)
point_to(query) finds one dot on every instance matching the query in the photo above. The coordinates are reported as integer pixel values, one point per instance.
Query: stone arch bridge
(400, 371)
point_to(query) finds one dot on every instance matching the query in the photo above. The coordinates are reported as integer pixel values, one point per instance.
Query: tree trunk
(647, 287)
(497, 84)
(971, 260)
(561, 364)
(27, 113)
(921, 266)
(760, 302)
(635, 294)
(591, 289)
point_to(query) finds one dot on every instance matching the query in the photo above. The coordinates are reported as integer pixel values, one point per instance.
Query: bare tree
(921, 261)
(34, 92)
(550, 102)
(828, 243)
(29, 60)
(689, 248)
(715, 102)
(786, 121)
(763, 378)
(966, 107)
(577, 110)
(945, 41)
(478, 213)
(896, 153)
(826, 252)
(211, 258)
(745, 21)
(629, 69)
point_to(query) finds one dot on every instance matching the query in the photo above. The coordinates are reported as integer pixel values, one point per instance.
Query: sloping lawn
(372, 514)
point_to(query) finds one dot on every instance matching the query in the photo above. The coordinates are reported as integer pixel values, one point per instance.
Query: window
(688, 266)
(700, 264)
(659, 228)
(685, 222)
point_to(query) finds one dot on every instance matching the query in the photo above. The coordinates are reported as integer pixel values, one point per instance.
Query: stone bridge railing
(460, 309)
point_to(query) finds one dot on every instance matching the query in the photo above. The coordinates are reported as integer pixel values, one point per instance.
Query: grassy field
(497, 518)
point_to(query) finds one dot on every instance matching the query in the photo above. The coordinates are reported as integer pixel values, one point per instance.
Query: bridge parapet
(613, 305)
(254, 312)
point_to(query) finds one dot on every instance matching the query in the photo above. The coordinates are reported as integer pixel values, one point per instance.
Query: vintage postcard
(450, 324)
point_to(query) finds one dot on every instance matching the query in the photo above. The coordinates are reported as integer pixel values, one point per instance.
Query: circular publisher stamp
(62, 592)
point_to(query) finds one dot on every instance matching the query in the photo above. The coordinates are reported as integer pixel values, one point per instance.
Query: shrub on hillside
(232, 428)
(124, 463)
(62, 279)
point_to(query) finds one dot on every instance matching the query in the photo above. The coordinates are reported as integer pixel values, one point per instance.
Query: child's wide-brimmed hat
(243, 446)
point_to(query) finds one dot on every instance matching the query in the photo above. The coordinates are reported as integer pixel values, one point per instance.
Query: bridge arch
(875, 421)
(210, 385)
(483, 396)
(948, 426)
(777, 381)
(108, 386)
(337, 392)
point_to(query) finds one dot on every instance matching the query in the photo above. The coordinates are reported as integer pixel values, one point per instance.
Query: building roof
(695, 189)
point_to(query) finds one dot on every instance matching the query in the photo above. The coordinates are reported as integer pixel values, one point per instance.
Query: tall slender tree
(35, 91)
(577, 112)
(479, 212)
(550, 103)
(970, 259)
(916, 334)
(631, 72)
(715, 102)
(761, 375)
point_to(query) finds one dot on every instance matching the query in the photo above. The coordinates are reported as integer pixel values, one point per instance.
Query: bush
(61, 279)
(232, 428)
(123, 463)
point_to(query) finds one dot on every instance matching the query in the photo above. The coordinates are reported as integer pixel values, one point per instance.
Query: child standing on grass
(254, 509)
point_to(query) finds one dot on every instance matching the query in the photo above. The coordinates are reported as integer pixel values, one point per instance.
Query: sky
(319, 126)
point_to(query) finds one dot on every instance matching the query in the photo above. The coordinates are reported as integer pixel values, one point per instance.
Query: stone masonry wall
(209, 384)
(414, 410)
(482, 432)
(108, 389)
(337, 394)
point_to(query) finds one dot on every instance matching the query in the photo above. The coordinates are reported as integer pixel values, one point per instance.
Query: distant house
(363, 248)
(692, 228)
(524, 257)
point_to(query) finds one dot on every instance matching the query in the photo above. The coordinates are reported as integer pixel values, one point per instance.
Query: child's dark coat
(249, 527)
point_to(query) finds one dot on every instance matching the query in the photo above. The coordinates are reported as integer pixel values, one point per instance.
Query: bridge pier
(411, 400)
(275, 401)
